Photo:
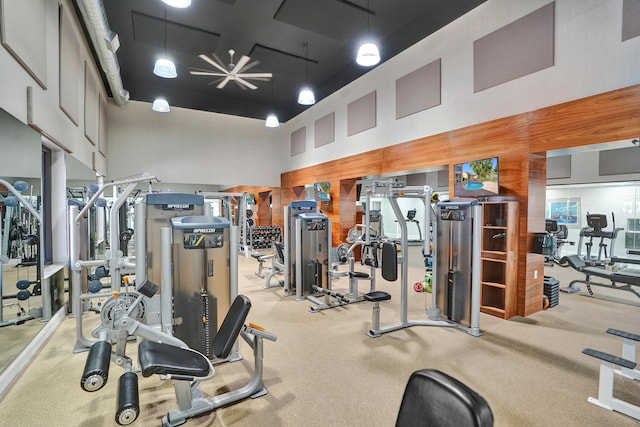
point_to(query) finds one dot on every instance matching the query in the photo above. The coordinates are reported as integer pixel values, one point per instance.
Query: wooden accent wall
(520, 141)
(265, 214)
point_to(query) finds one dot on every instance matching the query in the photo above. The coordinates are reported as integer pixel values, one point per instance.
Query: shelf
(497, 256)
(498, 251)
(492, 310)
(494, 284)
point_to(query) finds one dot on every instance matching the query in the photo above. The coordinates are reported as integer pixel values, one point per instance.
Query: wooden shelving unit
(499, 258)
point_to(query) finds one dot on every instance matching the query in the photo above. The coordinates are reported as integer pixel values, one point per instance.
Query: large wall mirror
(20, 274)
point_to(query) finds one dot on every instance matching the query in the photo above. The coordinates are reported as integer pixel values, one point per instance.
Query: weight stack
(552, 290)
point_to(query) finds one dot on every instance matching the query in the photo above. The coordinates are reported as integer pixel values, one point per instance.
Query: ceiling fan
(233, 72)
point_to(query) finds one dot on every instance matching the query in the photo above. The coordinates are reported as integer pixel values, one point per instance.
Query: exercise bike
(555, 238)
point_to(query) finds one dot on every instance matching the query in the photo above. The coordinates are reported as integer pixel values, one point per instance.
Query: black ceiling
(272, 32)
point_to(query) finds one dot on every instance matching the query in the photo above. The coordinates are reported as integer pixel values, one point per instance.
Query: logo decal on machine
(205, 230)
(177, 206)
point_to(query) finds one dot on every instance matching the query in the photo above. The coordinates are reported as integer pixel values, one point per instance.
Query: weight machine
(14, 201)
(455, 298)
(114, 264)
(308, 267)
(239, 218)
(195, 327)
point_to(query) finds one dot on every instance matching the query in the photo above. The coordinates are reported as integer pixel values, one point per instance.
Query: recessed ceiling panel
(153, 31)
(270, 31)
(337, 20)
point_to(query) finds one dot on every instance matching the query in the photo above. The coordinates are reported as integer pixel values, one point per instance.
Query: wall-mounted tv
(322, 191)
(478, 178)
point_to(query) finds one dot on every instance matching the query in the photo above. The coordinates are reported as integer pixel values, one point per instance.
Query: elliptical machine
(596, 224)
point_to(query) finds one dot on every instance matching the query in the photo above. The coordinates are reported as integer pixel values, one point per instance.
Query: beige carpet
(325, 371)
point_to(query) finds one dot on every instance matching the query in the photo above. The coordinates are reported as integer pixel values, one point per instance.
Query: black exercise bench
(628, 278)
(608, 362)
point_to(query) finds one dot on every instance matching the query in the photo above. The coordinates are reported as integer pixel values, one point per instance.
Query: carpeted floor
(325, 371)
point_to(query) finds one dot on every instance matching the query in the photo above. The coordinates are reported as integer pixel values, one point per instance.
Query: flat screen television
(322, 191)
(477, 178)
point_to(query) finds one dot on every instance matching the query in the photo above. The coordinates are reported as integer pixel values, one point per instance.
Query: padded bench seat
(630, 277)
(165, 359)
(376, 296)
(609, 358)
(623, 334)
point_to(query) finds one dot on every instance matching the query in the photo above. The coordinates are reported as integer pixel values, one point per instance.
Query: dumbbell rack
(263, 236)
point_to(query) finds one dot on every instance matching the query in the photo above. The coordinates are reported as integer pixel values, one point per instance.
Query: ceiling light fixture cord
(165, 31)
(368, 17)
(306, 62)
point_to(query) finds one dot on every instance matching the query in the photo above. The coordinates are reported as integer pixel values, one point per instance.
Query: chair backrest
(433, 398)
(279, 252)
(389, 261)
(231, 326)
(563, 232)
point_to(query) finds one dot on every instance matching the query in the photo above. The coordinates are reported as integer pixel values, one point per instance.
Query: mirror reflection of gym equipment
(617, 270)
(411, 218)
(20, 238)
(596, 228)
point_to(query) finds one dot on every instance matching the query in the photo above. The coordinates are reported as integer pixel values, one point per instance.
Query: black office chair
(435, 399)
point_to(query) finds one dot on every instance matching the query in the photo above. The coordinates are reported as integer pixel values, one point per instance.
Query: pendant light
(165, 67)
(368, 54)
(160, 105)
(180, 4)
(306, 96)
(272, 120)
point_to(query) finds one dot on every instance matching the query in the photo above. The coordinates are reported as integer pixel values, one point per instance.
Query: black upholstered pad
(433, 398)
(389, 262)
(160, 358)
(279, 252)
(574, 261)
(358, 274)
(607, 357)
(376, 296)
(231, 326)
(623, 334)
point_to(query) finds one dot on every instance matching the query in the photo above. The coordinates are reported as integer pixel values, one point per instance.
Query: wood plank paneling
(520, 141)
(610, 116)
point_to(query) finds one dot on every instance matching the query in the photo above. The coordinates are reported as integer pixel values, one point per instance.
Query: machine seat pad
(376, 296)
(231, 326)
(164, 359)
(625, 363)
(629, 277)
(623, 334)
(433, 398)
(358, 275)
(574, 261)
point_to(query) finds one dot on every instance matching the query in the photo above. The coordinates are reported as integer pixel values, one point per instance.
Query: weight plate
(116, 308)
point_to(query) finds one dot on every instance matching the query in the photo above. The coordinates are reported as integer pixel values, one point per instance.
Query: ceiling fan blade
(255, 75)
(262, 79)
(218, 60)
(207, 73)
(224, 82)
(246, 83)
(243, 61)
(215, 81)
(249, 66)
(214, 63)
(240, 85)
